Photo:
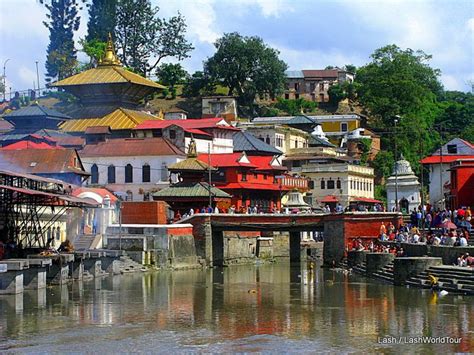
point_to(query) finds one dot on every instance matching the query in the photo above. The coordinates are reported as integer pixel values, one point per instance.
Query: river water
(267, 308)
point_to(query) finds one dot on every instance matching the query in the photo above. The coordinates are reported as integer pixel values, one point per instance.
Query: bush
(295, 107)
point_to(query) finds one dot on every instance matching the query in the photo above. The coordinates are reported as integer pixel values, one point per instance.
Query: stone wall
(376, 261)
(239, 249)
(405, 268)
(334, 245)
(450, 254)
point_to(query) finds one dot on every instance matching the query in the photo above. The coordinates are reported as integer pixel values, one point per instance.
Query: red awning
(330, 199)
(365, 199)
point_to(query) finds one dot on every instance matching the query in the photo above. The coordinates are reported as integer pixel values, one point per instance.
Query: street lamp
(397, 117)
(4, 80)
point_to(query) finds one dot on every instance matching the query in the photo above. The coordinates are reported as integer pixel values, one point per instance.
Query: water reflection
(240, 308)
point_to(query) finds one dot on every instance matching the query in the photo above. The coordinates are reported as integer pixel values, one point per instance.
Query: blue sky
(310, 34)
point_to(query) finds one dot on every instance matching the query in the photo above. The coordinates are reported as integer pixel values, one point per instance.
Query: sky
(310, 34)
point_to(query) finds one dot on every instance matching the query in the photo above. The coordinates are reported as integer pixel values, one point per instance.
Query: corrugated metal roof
(123, 147)
(106, 75)
(244, 141)
(200, 189)
(37, 110)
(324, 73)
(300, 119)
(297, 74)
(121, 118)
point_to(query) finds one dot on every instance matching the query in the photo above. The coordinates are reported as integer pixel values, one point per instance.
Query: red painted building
(251, 180)
(462, 183)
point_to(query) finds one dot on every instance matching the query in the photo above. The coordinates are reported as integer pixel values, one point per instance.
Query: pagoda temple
(192, 191)
(109, 95)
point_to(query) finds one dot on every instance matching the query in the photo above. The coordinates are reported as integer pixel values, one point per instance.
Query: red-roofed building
(439, 164)
(213, 133)
(29, 144)
(462, 183)
(251, 180)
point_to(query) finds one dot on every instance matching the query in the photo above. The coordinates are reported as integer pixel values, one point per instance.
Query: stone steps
(450, 278)
(127, 265)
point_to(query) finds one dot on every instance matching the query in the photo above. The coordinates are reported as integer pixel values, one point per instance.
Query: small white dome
(319, 133)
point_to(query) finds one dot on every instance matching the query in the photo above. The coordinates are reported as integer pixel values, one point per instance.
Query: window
(297, 86)
(323, 184)
(312, 86)
(358, 185)
(172, 134)
(287, 96)
(279, 140)
(129, 196)
(111, 174)
(331, 184)
(452, 149)
(297, 96)
(344, 127)
(94, 174)
(58, 233)
(321, 87)
(338, 184)
(128, 173)
(267, 140)
(255, 175)
(261, 138)
(244, 176)
(146, 173)
(265, 176)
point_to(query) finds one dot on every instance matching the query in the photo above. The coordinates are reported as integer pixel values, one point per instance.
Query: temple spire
(110, 58)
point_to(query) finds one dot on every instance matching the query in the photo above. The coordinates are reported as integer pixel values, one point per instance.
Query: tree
(63, 20)
(457, 114)
(94, 49)
(171, 74)
(141, 36)
(198, 84)
(247, 66)
(102, 20)
(350, 68)
(400, 83)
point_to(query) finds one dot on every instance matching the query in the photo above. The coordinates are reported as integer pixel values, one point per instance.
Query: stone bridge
(211, 232)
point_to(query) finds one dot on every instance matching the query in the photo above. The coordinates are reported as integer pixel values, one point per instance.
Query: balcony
(287, 182)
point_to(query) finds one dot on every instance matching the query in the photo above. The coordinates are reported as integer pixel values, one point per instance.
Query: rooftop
(121, 118)
(122, 147)
(36, 111)
(196, 190)
(190, 123)
(247, 142)
(39, 161)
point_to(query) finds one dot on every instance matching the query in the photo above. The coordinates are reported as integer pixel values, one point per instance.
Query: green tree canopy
(63, 20)
(401, 83)
(102, 20)
(142, 37)
(171, 74)
(247, 66)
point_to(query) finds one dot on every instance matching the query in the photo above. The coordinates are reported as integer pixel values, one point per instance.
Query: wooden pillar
(295, 247)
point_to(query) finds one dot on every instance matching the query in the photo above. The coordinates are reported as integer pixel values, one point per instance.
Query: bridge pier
(295, 247)
(217, 248)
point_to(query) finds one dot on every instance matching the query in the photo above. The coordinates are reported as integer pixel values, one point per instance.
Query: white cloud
(317, 58)
(200, 17)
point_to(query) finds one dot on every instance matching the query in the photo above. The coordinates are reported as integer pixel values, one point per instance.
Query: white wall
(436, 194)
(157, 181)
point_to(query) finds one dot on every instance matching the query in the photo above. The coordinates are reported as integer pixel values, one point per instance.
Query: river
(267, 308)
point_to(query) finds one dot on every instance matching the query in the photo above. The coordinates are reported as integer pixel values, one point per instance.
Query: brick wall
(150, 212)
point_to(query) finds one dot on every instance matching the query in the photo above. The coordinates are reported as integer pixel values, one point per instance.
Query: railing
(294, 182)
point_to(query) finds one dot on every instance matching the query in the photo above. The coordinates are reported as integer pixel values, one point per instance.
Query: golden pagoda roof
(108, 71)
(121, 118)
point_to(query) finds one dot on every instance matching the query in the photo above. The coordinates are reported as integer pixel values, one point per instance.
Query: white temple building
(406, 182)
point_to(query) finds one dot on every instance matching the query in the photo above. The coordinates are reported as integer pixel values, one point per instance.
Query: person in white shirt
(463, 242)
